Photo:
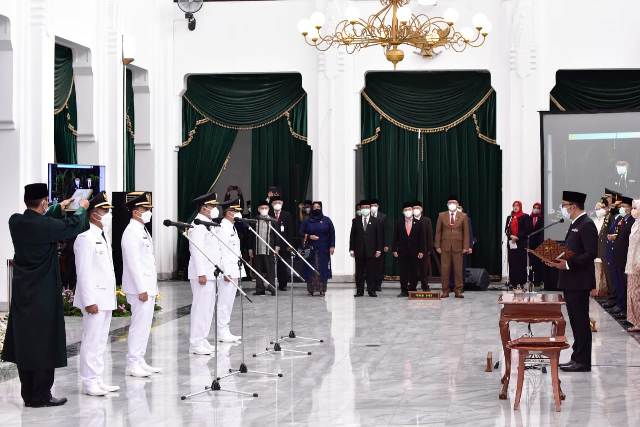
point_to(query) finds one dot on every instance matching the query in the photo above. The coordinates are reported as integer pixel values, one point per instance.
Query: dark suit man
(620, 249)
(576, 277)
(285, 226)
(408, 247)
(424, 264)
(451, 242)
(365, 245)
(261, 256)
(382, 223)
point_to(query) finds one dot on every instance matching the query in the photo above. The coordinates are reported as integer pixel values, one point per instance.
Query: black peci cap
(574, 196)
(627, 200)
(406, 205)
(417, 203)
(262, 203)
(36, 191)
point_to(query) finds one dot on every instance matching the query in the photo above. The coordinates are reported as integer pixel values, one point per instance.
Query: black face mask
(316, 212)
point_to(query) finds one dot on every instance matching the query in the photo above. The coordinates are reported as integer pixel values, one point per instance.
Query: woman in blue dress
(320, 237)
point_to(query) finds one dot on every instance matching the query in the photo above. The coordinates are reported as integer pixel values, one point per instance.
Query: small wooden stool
(550, 347)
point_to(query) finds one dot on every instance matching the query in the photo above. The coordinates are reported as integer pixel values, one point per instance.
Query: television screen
(74, 181)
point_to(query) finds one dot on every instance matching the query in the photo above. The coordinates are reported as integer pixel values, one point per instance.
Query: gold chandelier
(395, 25)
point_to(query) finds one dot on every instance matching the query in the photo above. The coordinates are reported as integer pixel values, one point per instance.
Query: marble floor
(385, 362)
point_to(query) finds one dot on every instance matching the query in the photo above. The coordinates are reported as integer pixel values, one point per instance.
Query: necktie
(452, 219)
(407, 227)
(104, 237)
(364, 223)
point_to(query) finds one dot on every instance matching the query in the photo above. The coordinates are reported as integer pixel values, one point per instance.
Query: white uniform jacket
(199, 265)
(229, 235)
(96, 282)
(138, 261)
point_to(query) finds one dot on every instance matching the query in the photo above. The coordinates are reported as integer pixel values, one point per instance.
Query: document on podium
(551, 251)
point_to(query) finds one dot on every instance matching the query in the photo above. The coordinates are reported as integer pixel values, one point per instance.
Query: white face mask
(621, 170)
(536, 211)
(106, 220)
(237, 215)
(146, 217)
(452, 207)
(277, 207)
(374, 210)
(417, 212)
(623, 211)
(263, 211)
(214, 213)
(365, 211)
(408, 214)
(565, 213)
(358, 212)
(600, 212)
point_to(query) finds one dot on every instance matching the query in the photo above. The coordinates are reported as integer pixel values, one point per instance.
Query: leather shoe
(576, 367)
(620, 316)
(615, 310)
(282, 288)
(444, 295)
(359, 294)
(608, 305)
(459, 295)
(259, 293)
(53, 401)
(372, 294)
(569, 363)
(403, 295)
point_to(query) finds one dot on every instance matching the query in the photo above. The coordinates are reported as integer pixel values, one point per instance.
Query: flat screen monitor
(79, 182)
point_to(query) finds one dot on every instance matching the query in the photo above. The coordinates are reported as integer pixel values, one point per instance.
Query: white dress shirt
(96, 283)
(229, 235)
(199, 265)
(138, 261)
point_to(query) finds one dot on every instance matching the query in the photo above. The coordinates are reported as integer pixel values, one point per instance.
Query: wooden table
(527, 308)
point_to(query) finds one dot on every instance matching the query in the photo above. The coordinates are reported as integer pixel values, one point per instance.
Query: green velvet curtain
(215, 107)
(64, 108)
(455, 154)
(596, 90)
(129, 136)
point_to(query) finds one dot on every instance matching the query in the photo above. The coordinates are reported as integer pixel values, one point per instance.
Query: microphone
(178, 224)
(255, 220)
(198, 221)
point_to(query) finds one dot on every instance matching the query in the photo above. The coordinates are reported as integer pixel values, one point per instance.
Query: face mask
(565, 213)
(635, 213)
(452, 207)
(407, 214)
(263, 212)
(214, 213)
(358, 212)
(316, 212)
(277, 207)
(106, 220)
(623, 211)
(536, 211)
(417, 212)
(621, 170)
(237, 215)
(600, 213)
(516, 208)
(146, 217)
(307, 210)
(374, 210)
(365, 211)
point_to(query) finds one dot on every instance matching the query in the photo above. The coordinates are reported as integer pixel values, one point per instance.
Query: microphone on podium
(177, 224)
(198, 221)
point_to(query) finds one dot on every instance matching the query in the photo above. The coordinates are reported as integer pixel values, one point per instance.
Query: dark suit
(602, 253)
(518, 256)
(365, 242)
(382, 223)
(285, 227)
(577, 282)
(408, 247)
(424, 264)
(263, 258)
(620, 249)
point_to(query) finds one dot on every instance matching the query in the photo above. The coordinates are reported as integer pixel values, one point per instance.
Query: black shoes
(259, 293)
(569, 363)
(282, 288)
(372, 294)
(358, 294)
(615, 310)
(53, 401)
(576, 367)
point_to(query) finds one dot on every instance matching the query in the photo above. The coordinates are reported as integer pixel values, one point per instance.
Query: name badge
(282, 228)
(575, 230)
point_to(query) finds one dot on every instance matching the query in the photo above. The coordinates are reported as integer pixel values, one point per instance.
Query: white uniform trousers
(95, 334)
(202, 308)
(139, 328)
(227, 294)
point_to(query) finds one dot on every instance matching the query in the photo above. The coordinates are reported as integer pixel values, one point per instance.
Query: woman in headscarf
(320, 237)
(517, 228)
(537, 223)
(633, 271)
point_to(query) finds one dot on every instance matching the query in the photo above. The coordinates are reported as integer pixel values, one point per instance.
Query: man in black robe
(35, 339)
(577, 277)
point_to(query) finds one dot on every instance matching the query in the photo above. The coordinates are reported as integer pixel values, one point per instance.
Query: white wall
(531, 40)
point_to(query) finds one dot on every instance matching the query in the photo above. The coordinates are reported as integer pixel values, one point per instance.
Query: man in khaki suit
(451, 242)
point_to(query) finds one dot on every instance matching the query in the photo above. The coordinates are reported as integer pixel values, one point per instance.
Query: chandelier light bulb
(304, 26)
(404, 14)
(352, 14)
(451, 16)
(317, 19)
(479, 20)
(468, 33)
(487, 28)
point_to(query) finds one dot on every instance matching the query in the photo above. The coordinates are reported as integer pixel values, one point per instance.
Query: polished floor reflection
(385, 361)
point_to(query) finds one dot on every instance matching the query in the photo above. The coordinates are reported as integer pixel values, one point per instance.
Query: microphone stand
(243, 367)
(276, 341)
(215, 384)
(294, 252)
